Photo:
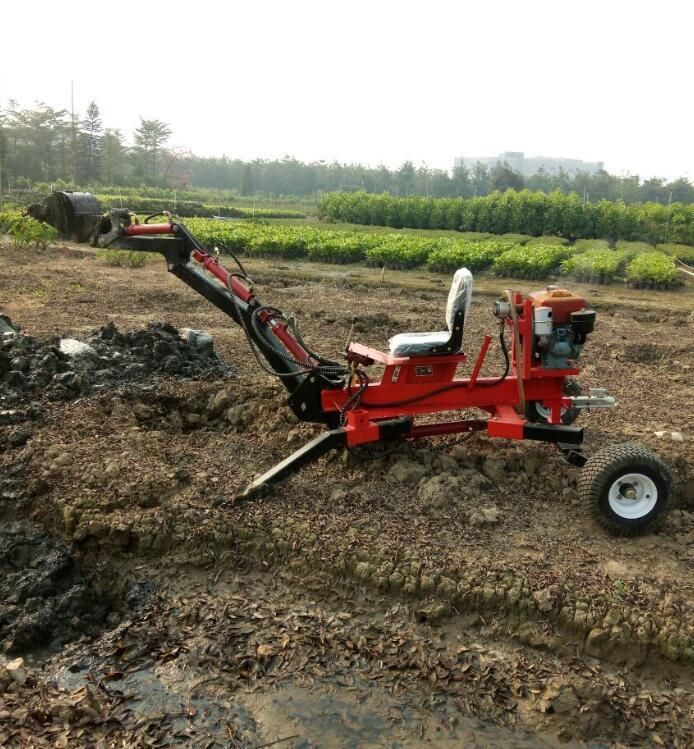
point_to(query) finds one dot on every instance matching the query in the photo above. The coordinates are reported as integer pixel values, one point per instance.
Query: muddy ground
(449, 592)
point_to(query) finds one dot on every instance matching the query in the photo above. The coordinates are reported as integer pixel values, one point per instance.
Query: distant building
(529, 165)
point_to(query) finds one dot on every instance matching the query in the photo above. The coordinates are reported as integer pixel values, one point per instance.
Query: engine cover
(561, 325)
(562, 302)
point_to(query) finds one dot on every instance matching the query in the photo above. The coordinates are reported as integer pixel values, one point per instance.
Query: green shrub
(8, 219)
(112, 257)
(276, 241)
(652, 270)
(472, 255)
(26, 231)
(137, 259)
(530, 261)
(337, 247)
(594, 266)
(401, 251)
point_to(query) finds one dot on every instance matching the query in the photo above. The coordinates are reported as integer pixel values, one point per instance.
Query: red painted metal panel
(480, 360)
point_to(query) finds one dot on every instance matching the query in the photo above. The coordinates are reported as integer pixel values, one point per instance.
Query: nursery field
(452, 591)
(524, 235)
(514, 256)
(519, 256)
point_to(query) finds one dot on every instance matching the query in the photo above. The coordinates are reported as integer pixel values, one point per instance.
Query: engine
(561, 324)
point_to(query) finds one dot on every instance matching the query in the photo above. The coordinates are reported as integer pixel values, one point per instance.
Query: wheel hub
(633, 496)
(627, 491)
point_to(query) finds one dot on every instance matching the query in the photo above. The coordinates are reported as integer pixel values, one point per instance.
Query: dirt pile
(62, 369)
(45, 600)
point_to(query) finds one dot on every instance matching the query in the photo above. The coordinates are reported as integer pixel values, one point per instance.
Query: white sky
(375, 82)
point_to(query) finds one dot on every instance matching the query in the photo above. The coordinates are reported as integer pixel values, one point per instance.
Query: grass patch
(126, 258)
(585, 245)
(682, 252)
(545, 241)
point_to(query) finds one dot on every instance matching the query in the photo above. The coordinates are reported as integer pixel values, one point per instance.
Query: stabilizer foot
(309, 452)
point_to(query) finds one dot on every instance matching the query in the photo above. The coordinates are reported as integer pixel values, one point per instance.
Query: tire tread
(596, 472)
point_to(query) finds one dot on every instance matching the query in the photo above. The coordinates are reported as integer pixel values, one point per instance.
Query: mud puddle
(361, 715)
(324, 713)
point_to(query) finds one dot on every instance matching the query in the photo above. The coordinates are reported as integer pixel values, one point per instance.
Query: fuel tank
(561, 302)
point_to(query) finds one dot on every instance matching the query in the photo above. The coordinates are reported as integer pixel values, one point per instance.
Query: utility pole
(0, 150)
(669, 211)
(0, 167)
(74, 135)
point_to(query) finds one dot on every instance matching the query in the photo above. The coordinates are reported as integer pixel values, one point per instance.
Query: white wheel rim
(633, 496)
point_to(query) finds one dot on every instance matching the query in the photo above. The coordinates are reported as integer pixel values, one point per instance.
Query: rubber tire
(605, 467)
(571, 387)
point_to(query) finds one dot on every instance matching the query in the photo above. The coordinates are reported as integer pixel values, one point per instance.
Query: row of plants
(31, 192)
(521, 212)
(188, 208)
(536, 259)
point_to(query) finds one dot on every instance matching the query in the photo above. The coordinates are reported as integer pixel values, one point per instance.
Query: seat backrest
(459, 296)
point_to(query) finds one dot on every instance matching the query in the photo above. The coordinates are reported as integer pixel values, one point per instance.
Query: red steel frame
(418, 385)
(412, 386)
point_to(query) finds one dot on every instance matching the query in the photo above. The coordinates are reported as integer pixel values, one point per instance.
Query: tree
(653, 190)
(561, 180)
(441, 184)
(406, 178)
(682, 191)
(112, 157)
(247, 181)
(541, 180)
(481, 183)
(461, 181)
(38, 142)
(176, 168)
(383, 179)
(504, 178)
(90, 145)
(36, 145)
(150, 138)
